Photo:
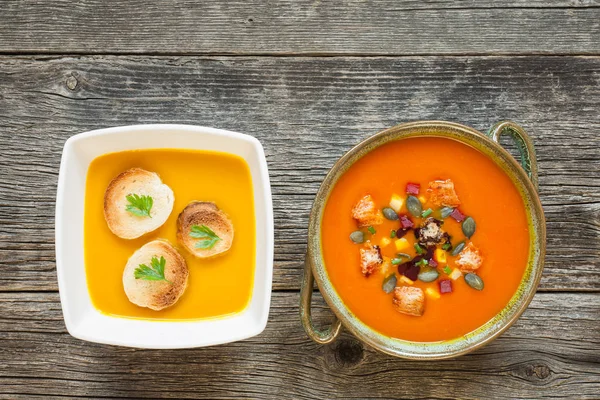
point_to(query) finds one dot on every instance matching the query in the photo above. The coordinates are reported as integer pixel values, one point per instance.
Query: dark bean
(401, 232)
(390, 214)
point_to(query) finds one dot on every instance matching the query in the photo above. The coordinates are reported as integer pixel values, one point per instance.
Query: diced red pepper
(406, 222)
(445, 286)
(413, 188)
(457, 215)
(412, 272)
(433, 263)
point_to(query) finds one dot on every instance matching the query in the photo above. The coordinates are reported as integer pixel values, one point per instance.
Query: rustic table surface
(309, 79)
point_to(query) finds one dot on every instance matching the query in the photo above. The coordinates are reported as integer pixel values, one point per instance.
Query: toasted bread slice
(156, 294)
(136, 181)
(204, 214)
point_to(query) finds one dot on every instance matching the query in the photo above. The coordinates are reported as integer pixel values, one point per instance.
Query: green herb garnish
(396, 261)
(139, 205)
(422, 262)
(156, 271)
(447, 246)
(372, 230)
(209, 238)
(419, 249)
(447, 270)
(426, 213)
(393, 234)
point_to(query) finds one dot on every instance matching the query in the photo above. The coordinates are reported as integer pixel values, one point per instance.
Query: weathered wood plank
(308, 27)
(307, 112)
(557, 342)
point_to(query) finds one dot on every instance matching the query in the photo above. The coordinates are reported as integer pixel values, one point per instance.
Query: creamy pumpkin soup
(425, 239)
(138, 264)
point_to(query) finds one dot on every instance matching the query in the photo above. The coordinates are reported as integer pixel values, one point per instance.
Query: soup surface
(216, 287)
(486, 194)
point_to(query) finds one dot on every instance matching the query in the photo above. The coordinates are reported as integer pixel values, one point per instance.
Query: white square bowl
(82, 319)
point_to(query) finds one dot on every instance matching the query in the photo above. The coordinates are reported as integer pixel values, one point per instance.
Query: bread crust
(156, 295)
(204, 213)
(141, 182)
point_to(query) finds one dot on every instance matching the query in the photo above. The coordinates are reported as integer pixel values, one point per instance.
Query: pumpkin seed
(403, 255)
(428, 276)
(414, 206)
(468, 227)
(458, 248)
(474, 281)
(357, 237)
(389, 283)
(390, 214)
(446, 211)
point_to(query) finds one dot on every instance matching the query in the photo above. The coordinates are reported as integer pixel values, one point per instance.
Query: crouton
(430, 233)
(123, 218)
(161, 293)
(442, 193)
(469, 259)
(204, 230)
(370, 259)
(366, 213)
(409, 300)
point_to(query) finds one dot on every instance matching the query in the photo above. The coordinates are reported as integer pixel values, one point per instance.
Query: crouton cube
(409, 300)
(385, 241)
(442, 193)
(440, 256)
(469, 259)
(370, 259)
(431, 292)
(366, 213)
(396, 202)
(401, 244)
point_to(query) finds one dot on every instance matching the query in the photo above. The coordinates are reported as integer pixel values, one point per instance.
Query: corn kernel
(384, 242)
(455, 274)
(440, 256)
(401, 244)
(406, 280)
(385, 266)
(431, 292)
(422, 199)
(396, 202)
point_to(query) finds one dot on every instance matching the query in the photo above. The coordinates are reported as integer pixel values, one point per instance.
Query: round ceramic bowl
(523, 176)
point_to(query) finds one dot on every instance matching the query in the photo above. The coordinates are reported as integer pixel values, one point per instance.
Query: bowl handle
(524, 145)
(320, 336)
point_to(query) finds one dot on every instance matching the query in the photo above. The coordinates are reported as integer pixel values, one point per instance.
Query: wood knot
(537, 371)
(71, 82)
(348, 352)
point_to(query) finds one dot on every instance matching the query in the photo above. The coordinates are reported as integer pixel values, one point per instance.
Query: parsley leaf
(209, 238)
(139, 205)
(156, 271)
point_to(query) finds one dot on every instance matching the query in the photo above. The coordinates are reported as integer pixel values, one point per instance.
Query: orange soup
(216, 287)
(370, 275)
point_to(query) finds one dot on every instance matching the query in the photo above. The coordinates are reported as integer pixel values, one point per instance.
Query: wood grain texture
(307, 112)
(301, 27)
(545, 353)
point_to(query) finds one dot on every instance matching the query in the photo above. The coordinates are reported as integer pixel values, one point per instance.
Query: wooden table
(310, 80)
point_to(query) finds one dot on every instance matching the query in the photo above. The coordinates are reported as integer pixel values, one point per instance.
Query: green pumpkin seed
(446, 211)
(389, 283)
(474, 281)
(357, 237)
(403, 255)
(390, 214)
(468, 227)
(428, 276)
(414, 206)
(458, 248)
